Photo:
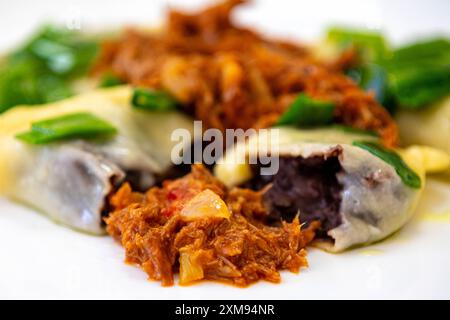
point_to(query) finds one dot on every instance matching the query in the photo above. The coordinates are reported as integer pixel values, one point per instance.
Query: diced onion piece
(205, 204)
(190, 269)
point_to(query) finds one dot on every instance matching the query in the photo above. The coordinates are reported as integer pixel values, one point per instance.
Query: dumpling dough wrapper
(70, 180)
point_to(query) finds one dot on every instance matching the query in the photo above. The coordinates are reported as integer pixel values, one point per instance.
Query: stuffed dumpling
(325, 176)
(70, 180)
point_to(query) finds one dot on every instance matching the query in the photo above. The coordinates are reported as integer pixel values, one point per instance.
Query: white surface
(44, 260)
(298, 19)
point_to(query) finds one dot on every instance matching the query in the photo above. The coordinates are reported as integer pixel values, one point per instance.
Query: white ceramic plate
(43, 260)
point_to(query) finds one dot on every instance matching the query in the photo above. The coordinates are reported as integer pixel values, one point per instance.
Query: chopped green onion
(420, 72)
(406, 174)
(63, 52)
(110, 80)
(306, 112)
(418, 87)
(431, 51)
(154, 100)
(43, 70)
(70, 126)
(412, 76)
(370, 44)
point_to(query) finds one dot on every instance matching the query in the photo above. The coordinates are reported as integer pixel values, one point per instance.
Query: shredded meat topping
(239, 249)
(232, 77)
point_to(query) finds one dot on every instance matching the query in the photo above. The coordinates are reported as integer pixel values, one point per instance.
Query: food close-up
(218, 159)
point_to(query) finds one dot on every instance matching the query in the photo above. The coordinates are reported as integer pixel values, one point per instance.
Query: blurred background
(402, 20)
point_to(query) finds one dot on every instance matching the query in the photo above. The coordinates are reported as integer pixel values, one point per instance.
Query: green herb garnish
(110, 80)
(370, 44)
(154, 100)
(429, 52)
(307, 112)
(420, 72)
(44, 68)
(408, 176)
(412, 76)
(417, 87)
(71, 126)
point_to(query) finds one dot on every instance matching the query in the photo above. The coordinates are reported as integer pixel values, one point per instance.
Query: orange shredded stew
(194, 226)
(231, 77)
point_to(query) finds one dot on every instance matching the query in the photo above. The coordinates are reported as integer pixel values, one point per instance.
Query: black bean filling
(305, 185)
